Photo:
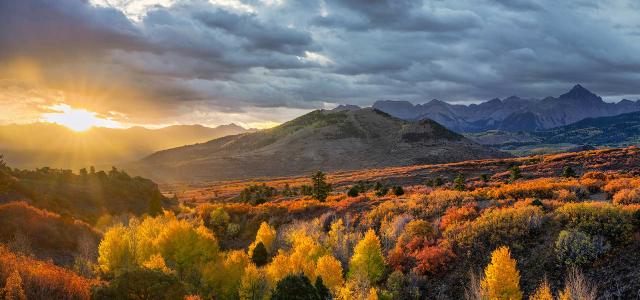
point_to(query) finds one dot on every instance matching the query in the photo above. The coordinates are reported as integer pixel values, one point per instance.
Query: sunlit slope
(320, 140)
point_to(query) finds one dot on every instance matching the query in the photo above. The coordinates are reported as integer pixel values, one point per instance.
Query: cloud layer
(263, 61)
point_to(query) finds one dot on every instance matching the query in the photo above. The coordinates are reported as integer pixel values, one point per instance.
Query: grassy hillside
(328, 140)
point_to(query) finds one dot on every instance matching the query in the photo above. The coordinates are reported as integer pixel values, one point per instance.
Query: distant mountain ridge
(513, 113)
(47, 144)
(615, 131)
(344, 139)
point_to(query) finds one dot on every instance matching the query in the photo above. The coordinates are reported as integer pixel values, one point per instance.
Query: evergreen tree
(568, 172)
(353, 191)
(155, 206)
(459, 183)
(484, 177)
(260, 256)
(514, 173)
(320, 187)
(286, 191)
(398, 190)
(295, 287)
(323, 291)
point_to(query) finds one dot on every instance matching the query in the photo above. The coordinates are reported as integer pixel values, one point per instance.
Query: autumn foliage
(41, 280)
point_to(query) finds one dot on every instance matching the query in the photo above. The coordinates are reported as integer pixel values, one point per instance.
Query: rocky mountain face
(52, 145)
(513, 113)
(343, 139)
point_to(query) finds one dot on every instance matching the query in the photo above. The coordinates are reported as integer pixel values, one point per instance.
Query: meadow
(559, 226)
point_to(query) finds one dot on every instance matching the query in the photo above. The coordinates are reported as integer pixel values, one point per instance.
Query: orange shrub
(627, 196)
(436, 203)
(595, 175)
(455, 215)
(565, 195)
(43, 280)
(615, 185)
(593, 185)
(538, 188)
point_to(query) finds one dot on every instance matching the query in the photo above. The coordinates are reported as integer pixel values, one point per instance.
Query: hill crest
(319, 140)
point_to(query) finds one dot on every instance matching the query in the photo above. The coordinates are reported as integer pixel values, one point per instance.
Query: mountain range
(52, 145)
(512, 113)
(343, 139)
(615, 131)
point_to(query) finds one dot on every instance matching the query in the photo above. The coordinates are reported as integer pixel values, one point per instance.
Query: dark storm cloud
(62, 28)
(256, 34)
(402, 15)
(300, 54)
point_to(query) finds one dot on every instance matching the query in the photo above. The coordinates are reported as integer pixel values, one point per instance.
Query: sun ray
(77, 119)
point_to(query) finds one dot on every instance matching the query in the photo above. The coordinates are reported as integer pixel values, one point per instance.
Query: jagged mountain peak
(579, 92)
(512, 112)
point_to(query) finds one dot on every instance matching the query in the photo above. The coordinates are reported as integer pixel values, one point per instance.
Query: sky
(258, 63)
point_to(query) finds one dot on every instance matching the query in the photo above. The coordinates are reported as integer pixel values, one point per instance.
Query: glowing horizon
(77, 119)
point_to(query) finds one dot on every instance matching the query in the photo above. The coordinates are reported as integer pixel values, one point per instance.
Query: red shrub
(43, 280)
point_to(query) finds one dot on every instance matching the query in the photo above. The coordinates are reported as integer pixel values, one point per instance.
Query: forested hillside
(86, 195)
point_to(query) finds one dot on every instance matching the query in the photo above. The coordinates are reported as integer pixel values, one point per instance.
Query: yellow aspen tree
(279, 267)
(253, 284)
(501, 277)
(266, 234)
(367, 258)
(330, 270)
(543, 292)
(373, 294)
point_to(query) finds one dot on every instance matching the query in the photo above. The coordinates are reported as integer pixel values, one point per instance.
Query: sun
(77, 119)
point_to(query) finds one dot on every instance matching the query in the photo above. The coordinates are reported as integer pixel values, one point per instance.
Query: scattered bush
(597, 218)
(497, 227)
(353, 192)
(576, 248)
(568, 172)
(398, 191)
